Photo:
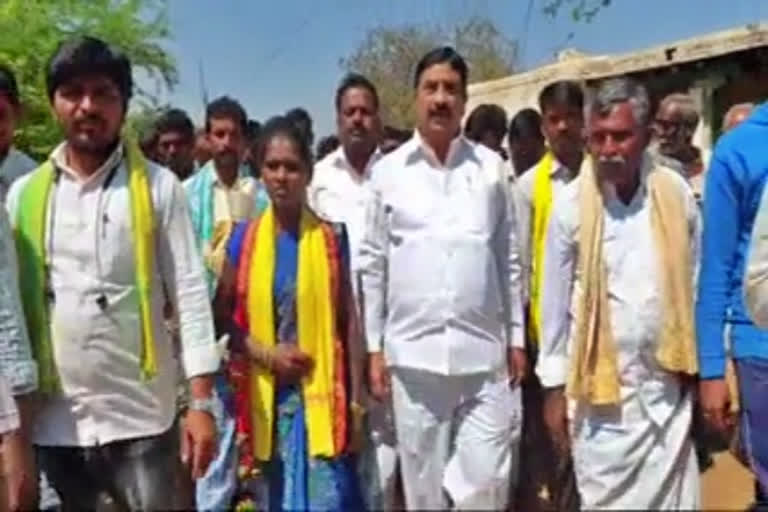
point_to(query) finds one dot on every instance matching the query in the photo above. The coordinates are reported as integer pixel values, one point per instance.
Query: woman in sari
(296, 357)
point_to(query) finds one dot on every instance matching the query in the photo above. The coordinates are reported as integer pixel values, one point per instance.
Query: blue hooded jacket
(734, 186)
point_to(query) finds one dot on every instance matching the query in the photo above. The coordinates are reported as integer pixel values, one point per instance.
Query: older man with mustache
(617, 350)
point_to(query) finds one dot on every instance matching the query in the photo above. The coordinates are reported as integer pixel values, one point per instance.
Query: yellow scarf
(594, 374)
(542, 205)
(316, 329)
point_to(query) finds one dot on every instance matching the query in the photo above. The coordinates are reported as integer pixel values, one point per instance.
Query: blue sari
(292, 480)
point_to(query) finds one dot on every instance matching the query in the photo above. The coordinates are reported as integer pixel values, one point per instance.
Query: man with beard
(338, 193)
(223, 190)
(561, 104)
(175, 142)
(618, 349)
(221, 194)
(441, 280)
(101, 234)
(674, 126)
(13, 163)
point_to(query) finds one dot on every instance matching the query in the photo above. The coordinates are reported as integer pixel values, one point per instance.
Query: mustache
(91, 118)
(440, 111)
(612, 160)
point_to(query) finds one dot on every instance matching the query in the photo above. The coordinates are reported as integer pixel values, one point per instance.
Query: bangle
(356, 409)
(261, 354)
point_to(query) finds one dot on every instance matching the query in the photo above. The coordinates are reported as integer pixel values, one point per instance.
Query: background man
(562, 107)
(115, 236)
(13, 163)
(338, 192)
(175, 142)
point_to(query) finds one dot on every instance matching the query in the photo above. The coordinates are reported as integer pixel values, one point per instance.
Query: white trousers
(456, 439)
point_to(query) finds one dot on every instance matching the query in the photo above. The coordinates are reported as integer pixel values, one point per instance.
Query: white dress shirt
(90, 249)
(560, 177)
(338, 194)
(439, 261)
(15, 165)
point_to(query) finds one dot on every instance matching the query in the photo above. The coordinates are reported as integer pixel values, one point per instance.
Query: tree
(388, 57)
(30, 30)
(581, 10)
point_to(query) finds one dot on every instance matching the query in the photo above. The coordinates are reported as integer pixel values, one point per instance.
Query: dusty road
(727, 485)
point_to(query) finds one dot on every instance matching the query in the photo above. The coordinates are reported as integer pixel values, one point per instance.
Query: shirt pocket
(479, 207)
(115, 244)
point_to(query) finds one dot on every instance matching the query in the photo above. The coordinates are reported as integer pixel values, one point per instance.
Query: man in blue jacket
(735, 181)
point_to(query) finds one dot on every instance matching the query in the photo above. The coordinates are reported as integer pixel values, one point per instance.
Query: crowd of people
(528, 314)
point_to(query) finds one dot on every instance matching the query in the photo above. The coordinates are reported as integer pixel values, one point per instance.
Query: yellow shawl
(542, 205)
(594, 374)
(315, 319)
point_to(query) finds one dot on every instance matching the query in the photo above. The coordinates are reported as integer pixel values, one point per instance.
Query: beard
(226, 159)
(96, 146)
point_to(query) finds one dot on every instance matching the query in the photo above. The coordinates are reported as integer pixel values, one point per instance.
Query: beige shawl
(594, 373)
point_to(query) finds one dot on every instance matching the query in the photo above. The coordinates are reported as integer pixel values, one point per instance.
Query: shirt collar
(59, 159)
(418, 147)
(242, 174)
(339, 160)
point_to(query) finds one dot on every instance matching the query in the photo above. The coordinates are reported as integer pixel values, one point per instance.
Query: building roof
(572, 65)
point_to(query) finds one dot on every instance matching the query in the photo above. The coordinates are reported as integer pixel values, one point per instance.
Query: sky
(273, 55)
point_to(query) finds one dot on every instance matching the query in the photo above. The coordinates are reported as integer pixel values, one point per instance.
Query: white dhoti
(638, 455)
(457, 439)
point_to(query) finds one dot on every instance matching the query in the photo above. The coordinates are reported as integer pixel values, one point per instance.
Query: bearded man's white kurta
(638, 454)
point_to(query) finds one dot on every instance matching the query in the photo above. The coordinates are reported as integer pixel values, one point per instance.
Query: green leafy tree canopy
(30, 30)
(388, 57)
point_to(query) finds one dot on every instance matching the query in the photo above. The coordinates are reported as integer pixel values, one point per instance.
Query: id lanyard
(99, 232)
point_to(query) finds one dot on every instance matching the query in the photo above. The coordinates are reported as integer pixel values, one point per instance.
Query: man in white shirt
(94, 302)
(562, 124)
(618, 353)
(175, 143)
(338, 193)
(13, 163)
(220, 194)
(440, 275)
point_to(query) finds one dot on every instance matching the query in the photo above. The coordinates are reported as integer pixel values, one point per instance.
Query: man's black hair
(84, 55)
(175, 120)
(355, 81)
(443, 55)
(526, 123)
(486, 118)
(226, 108)
(563, 92)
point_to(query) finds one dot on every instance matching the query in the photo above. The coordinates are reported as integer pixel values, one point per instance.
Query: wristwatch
(202, 405)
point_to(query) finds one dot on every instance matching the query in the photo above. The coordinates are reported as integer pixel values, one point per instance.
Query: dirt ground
(727, 485)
